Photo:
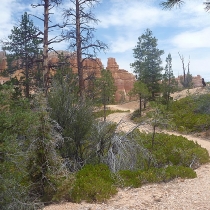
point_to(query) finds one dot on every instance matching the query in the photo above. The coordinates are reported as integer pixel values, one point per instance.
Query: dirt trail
(179, 194)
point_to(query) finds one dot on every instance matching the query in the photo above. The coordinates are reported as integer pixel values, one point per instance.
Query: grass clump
(93, 184)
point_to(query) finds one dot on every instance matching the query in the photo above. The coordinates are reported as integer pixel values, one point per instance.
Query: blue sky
(185, 30)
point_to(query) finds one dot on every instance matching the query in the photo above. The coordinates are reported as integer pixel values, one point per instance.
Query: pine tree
(106, 89)
(140, 89)
(169, 83)
(23, 48)
(80, 20)
(147, 62)
(169, 4)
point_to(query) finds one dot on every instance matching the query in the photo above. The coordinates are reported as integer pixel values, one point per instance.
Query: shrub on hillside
(93, 184)
(191, 114)
(154, 175)
(174, 150)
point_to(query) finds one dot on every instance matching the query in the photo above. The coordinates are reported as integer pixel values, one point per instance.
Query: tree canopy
(169, 4)
(147, 61)
(23, 46)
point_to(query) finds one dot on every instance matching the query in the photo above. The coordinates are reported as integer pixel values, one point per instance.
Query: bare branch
(37, 5)
(37, 17)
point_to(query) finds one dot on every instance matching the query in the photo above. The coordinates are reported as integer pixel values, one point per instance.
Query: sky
(184, 30)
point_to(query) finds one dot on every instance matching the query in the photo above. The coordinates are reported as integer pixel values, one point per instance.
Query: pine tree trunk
(140, 107)
(45, 44)
(79, 51)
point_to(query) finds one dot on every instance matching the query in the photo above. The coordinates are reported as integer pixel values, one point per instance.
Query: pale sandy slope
(179, 194)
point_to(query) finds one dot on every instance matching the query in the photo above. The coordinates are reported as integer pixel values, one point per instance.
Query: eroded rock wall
(123, 80)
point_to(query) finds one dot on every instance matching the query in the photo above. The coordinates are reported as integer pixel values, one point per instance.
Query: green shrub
(174, 150)
(64, 185)
(137, 118)
(93, 184)
(130, 178)
(172, 172)
(191, 114)
(154, 175)
(135, 114)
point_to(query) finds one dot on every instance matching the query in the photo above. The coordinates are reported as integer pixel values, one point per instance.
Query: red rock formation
(3, 61)
(196, 80)
(123, 80)
(4, 79)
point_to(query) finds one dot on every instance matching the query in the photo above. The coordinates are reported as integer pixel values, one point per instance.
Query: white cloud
(11, 11)
(184, 30)
(134, 15)
(121, 44)
(193, 39)
(5, 17)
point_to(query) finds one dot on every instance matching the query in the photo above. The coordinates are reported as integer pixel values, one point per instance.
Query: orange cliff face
(196, 81)
(124, 80)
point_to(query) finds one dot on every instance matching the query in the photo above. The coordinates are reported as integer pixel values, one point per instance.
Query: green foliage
(23, 47)
(105, 89)
(172, 172)
(140, 89)
(158, 117)
(29, 163)
(64, 185)
(135, 115)
(43, 161)
(130, 178)
(174, 150)
(93, 184)
(73, 115)
(31, 170)
(15, 118)
(169, 84)
(203, 105)
(154, 175)
(191, 114)
(137, 118)
(147, 61)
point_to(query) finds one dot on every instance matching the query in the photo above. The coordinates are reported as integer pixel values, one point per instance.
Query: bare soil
(179, 194)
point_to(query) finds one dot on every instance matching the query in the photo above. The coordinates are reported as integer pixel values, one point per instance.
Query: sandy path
(179, 194)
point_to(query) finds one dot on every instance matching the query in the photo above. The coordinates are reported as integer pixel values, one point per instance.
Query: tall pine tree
(147, 62)
(23, 47)
(169, 83)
